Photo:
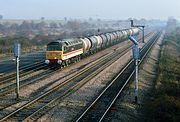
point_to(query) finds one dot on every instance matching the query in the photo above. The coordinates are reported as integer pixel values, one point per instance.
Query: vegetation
(37, 43)
(166, 105)
(34, 36)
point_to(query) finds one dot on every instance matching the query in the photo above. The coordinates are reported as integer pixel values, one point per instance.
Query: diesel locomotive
(66, 51)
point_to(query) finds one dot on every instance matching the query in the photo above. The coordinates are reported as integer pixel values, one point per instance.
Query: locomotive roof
(67, 42)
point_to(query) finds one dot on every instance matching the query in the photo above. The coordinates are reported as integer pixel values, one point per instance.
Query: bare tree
(65, 19)
(53, 25)
(42, 18)
(73, 25)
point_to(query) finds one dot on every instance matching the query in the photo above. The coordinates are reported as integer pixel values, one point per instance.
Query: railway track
(47, 100)
(11, 87)
(96, 111)
(12, 75)
(26, 60)
(8, 84)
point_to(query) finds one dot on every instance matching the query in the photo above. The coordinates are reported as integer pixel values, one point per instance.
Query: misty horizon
(80, 9)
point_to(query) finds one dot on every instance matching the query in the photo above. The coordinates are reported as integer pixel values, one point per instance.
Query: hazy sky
(105, 9)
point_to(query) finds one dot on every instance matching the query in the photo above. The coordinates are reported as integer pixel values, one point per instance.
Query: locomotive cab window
(54, 48)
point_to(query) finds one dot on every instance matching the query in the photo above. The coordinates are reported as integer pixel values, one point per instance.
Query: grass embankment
(27, 45)
(166, 103)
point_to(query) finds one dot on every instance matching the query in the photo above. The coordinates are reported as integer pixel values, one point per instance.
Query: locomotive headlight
(59, 61)
(47, 61)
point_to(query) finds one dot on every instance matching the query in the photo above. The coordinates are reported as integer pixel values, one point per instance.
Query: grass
(166, 103)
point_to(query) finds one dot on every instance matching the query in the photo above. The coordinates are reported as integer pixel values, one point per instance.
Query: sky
(84, 9)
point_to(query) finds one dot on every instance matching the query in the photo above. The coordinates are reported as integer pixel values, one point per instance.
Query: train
(62, 52)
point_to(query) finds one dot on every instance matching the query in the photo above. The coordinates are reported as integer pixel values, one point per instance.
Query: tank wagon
(66, 51)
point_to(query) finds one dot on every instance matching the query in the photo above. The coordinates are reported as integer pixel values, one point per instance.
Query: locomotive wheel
(76, 59)
(66, 63)
(63, 65)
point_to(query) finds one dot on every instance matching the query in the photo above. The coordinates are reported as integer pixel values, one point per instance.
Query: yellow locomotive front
(64, 52)
(54, 53)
